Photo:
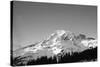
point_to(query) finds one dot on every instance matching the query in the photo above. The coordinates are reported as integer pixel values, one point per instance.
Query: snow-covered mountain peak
(59, 41)
(59, 44)
(58, 34)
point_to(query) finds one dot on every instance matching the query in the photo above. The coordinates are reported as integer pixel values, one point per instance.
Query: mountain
(57, 45)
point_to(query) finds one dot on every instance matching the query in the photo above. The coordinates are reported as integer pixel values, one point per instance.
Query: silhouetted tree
(87, 55)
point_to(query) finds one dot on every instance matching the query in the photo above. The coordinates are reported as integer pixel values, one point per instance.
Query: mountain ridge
(58, 43)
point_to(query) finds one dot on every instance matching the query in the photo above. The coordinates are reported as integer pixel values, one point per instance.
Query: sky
(33, 22)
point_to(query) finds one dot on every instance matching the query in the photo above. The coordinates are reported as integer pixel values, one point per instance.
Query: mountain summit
(57, 44)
